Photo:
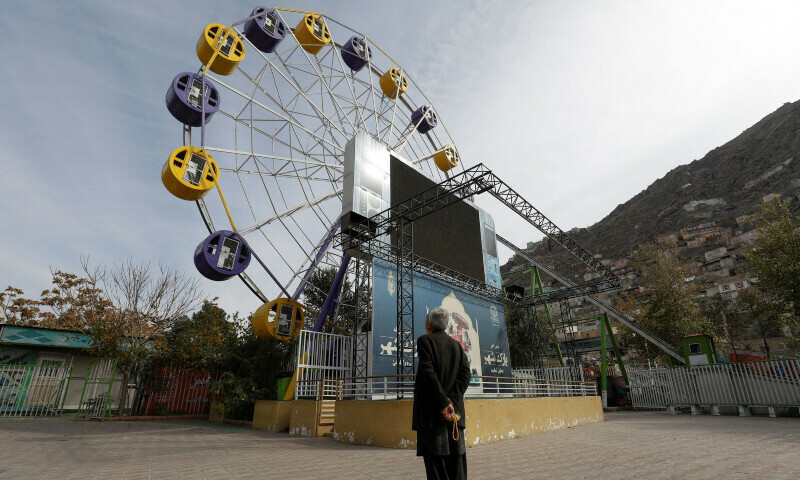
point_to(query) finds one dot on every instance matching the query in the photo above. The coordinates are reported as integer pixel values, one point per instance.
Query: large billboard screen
(475, 322)
(450, 237)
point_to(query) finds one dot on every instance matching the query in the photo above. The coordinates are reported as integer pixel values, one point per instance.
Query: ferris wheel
(266, 119)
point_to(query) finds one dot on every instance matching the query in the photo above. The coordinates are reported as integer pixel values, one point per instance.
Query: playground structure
(342, 162)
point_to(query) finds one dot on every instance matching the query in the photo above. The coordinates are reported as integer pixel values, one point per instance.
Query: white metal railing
(766, 383)
(549, 373)
(321, 356)
(33, 390)
(394, 387)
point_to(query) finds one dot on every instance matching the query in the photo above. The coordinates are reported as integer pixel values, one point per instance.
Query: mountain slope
(728, 181)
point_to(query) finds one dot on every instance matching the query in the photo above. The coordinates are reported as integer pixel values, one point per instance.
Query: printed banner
(477, 323)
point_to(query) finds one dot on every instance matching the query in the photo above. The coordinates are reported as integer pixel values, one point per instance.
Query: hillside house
(702, 230)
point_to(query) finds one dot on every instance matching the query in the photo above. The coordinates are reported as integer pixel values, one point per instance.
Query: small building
(731, 287)
(749, 236)
(700, 230)
(718, 252)
(41, 368)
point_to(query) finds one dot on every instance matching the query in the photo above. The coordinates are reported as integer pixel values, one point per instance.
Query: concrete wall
(385, 423)
(303, 418)
(388, 423)
(272, 415)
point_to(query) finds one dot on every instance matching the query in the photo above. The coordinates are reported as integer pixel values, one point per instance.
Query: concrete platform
(628, 445)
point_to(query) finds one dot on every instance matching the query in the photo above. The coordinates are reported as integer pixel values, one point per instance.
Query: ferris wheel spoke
(277, 157)
(308, 177)
(371, 89)
(277, 114)
(300, 93)
(295, 83)
(248, 102)
(349, 81)
(316, 70)
(276, 139)
(328, 82)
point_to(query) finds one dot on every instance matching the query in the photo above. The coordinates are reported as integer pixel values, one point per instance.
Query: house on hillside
(702, 230)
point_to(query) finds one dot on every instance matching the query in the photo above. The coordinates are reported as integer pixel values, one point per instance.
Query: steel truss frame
(460, 187)
(617, 315)
(569, 339)
(471, 182)
(362, 323)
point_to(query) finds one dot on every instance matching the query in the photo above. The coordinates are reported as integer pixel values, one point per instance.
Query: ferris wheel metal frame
(315, 104)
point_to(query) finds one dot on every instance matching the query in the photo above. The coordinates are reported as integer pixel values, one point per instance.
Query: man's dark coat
(443, 373)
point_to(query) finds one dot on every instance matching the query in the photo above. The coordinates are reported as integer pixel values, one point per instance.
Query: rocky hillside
(728, 181)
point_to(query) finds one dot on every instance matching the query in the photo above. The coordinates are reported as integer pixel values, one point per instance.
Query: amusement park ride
(342, 162)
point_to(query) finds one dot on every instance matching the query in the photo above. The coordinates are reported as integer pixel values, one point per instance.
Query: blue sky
(578, 105)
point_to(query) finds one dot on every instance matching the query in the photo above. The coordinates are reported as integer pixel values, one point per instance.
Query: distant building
(701, 230)
(716, 253)
(727, 288)
(749, 236)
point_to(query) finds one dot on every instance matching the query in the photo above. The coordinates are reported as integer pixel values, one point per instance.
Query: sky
(577, 105)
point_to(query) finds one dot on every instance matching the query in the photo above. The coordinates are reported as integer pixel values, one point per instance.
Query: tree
(72, 303)
(202, 342)
(529, 336)
(766, 317)
(775, 258)
(143, 304)
(670, 307)
(18, 310)
(253, 370)
(729, 324)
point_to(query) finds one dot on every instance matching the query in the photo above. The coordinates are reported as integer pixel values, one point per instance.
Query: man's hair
(438, 319)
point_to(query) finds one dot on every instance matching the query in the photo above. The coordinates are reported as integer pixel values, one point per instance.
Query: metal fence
(98, 396)
(550, 373)
(174, 390)
(28, 390)
(321, 356)
(766, 383)
(393, 387)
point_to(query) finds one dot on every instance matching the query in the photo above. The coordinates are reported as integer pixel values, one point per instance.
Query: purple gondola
(356, 53)
(184, 100)
(265, 31)
(428, 122)
(222, 255)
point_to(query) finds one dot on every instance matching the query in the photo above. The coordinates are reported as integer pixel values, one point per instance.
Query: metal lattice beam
(569, 340)
(470, 182)
(406, 345)
(617, 315)
(362, 323)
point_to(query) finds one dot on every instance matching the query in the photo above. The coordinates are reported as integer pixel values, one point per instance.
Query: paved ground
(640, 445)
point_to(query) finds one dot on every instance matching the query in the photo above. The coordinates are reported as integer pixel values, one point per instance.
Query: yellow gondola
(189, 173)
(393, 83)
(231, 49)
(280, 319)
(312, 33)
(446, 158)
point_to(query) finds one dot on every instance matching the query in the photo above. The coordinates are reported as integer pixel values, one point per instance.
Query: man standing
(442, 378)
